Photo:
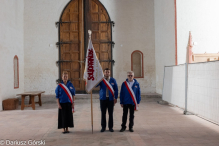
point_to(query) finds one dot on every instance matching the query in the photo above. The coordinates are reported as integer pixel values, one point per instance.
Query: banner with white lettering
(93, 72)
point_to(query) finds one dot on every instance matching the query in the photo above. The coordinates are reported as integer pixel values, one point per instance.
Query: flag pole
(89, 32)
(91, 112)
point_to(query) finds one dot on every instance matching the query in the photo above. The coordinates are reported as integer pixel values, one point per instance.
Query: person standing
(65, 95)
(108, 98)
(130, 97)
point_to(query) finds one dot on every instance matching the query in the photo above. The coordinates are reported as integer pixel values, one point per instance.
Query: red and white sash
(68, 93)
(108, 85)
(131, 94)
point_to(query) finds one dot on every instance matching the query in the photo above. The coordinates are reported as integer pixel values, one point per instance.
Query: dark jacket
(60, 93)
(103, 87)
(125, 97)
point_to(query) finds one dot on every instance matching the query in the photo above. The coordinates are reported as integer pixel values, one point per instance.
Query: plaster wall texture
(40, 37)
(134, 30)
(203, 88)
(11, 44)
(164, 18)
(199, 17)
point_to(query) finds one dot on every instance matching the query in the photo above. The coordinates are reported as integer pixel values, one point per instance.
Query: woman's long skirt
(65, 117)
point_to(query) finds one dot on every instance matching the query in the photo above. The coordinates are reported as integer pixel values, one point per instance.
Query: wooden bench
(31, 95)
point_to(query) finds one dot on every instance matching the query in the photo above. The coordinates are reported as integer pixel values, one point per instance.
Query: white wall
(200, 17)
(203, 88)
(164, 17)
(11, 44)
(174, 85)
(40, 31)
(134, 30)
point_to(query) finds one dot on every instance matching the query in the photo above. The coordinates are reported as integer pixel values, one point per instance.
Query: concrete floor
(155, 125)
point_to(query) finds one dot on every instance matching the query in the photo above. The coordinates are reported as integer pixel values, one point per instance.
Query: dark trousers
(104, 105)
(131, 115)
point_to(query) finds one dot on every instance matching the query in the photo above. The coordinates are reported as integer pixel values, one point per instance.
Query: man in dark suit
(108, 98)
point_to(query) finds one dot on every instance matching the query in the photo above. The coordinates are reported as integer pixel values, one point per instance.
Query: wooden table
(31, 95)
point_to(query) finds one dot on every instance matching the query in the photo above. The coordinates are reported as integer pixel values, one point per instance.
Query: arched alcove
(137, 64)
(16, 72)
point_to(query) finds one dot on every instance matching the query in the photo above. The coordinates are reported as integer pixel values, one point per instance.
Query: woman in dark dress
(65, 95)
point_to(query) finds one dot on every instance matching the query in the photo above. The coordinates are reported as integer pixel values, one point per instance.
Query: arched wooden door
(77, 18)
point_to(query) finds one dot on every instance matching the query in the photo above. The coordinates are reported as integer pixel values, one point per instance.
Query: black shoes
(131, 130)
(123, 129)
(102, 130)
(111, 130)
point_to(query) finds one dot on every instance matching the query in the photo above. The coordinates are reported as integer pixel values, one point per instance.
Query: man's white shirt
(131, 83)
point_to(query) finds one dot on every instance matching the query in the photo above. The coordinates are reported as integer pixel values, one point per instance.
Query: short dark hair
(64, 73)
(106, 69)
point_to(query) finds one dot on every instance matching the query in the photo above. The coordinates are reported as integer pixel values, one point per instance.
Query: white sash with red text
(108, 85)
(68, 93)
(131, 94)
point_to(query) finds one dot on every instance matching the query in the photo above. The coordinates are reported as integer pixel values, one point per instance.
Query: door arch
(76, 19)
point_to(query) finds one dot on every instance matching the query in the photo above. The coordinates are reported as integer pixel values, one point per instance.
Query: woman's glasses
(130, 75)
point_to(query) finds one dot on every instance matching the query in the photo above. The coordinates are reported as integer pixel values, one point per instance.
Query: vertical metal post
(163, 81)
(186, 74)
(186, 86)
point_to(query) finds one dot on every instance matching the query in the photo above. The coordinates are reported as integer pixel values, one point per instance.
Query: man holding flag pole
(93, 73)
(108, 98)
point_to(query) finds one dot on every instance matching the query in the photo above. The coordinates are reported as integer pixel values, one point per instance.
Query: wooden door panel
(74, 27)
(66, 66)
(104, 36)
(105, 64)
(95, 17)
(95, 27)
(94, 7)
(67, 56)
(65, 36)
(77, 84)
(76, 74)
(96, 47)
(95, 36)
(104, 56)
(74, 17)
(101, 32)
(65, 49)
(73, 39)
(65, 27)
(75, 47)
(71, 35)
(104, 47)
(66, 16)
(75, 56)
(75, 66)
(103, 17)
(104, 27)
